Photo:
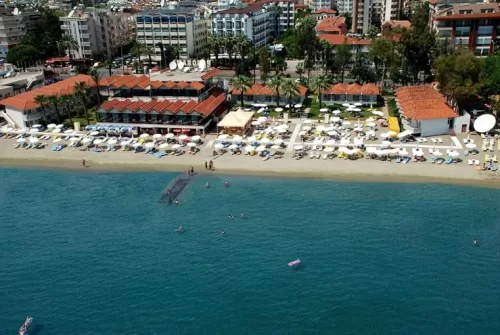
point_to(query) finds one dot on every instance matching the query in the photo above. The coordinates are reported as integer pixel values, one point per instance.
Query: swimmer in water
(180, 229)
(223, 233)
(226, 183)
(475, 242)
(230, 217)
(242, 216)
(177, 202)
(207, 185)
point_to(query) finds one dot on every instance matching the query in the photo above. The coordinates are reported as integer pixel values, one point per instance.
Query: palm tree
(229, 45)
(300, 71)
(42, 100)
(276, 83)
(67, 99)
(319, 85)
(290, 90)
(69, 43)
(214, 44)
(96, 78)
(242, 84)
(242, 46)
(162, 55)
(109, 65)
(325, 50)
(81, 90)
(54, 100)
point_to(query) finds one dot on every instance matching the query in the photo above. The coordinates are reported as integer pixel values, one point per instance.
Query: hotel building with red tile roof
(332, 26)
(366, 94)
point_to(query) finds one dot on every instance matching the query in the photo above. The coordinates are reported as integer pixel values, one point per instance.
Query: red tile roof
(212, 73)
(206, 107)
(332, 25)
(423, 103)
(24, 101)
(341, 39)
(325, 11)
(354, 89)
(403, 24)
(143, 82)
(258, 89)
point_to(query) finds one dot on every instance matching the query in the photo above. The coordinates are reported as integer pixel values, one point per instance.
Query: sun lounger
(398, 159)
(318, 155)
(439, 160)
(433, 160)
(434, 140)
(470, 161)
(477, 162)
(484, 147)
(406, 160)
(491, 146)
(449, 160)
(494, 159)
(440, 140)
(466, 153)
(311, 154)
(325, 156)
(487, 158)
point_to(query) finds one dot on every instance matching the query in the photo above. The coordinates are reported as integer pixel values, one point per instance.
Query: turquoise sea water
(94, 253)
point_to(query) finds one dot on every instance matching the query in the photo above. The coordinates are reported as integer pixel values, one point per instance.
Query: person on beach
(192, 170)
(210, 165)
(206, 165)
(226, 183)
(83, 162)
(180, 229)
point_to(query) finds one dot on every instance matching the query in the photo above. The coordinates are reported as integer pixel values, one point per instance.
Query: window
(148, 19)
(156, 19)
(487, 10)
(483, 41)
(465, 11)
(164, 19)
(482, 31)
(140, 19)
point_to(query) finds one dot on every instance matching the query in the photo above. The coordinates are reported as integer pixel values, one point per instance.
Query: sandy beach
(335, 169)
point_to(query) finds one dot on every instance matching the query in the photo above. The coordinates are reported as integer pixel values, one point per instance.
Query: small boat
(25, 326)
(294, 264)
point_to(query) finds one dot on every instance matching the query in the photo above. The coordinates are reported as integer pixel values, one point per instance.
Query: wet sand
(335, 169)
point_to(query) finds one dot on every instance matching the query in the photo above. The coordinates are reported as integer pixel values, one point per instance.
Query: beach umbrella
(98, 141)
(279, 109)
(371, 133)
(195, 138)
(281, 131)
(176, 146)
(34, 130)
(385, 135)
(318, 141)
(371, 124)
(191, 144)
(59, 126)
(307, 121)
(255, 123)
(74, 139)
(298, 106)
(21, 140)
(298, 147)
(335, 119)
(392, 133)
(437, 153)
(278, 141)
(157, 136)
(371, 150)
(249, 148)
(137, 145)
(403, 152)
(149, 145)
(328, 149)
(370, 119)
(144, 136)
(237, 138)
(344, 141)
(265, 140)
(336, 112)
(252, 139)
(94, 133)
(358, 104)
(306, 128)
(23, 130)
(418, 153)
(232, 146)
(87, 140)
(358, 129)
(57, 140)
(332, 133)
(36, 126)
(346, 105)
(51, 125)
(163, 145)
(169, 135)
(324, 110)
(125, 143)
(330, 142)
(222, 137)
(56, 131)
(219, 146)
(69, 131)
(346, 123)
(470, 145)
(183, 137)
(387, 143)
(358, 141)
(302, 133)
(260, 148)
(320, 128)
(112, 141)
(275, 147)
(379, 113)
(262, 119)
(454, 153)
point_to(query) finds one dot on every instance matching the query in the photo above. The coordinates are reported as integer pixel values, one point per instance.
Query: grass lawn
(82, 119)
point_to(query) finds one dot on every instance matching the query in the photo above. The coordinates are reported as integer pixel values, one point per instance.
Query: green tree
(81, 91)
(242, 84)
(42, 100)
(54, 100)
(290, 90)
(67, 42)
(361, 70)
(320, 84)
(382, 54)
(300, 71)
(67, 100)
(276, 83)
(162, 55)
(96, 78)
(342, 58)
(348, 20)
(22, 55)
(264, 64)
(109, 65)
(491, 75)
(215, 45)
(459, 76)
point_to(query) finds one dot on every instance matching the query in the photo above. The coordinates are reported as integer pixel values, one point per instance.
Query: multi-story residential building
(12, 29)
(252, 21)
(345, 6)
(183, 27)
(282, 15)
(97, 31)
(318, 4)
(475, 26)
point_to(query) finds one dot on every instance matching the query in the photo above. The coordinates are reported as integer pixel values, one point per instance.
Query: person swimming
(226, 183)
(223, 233)
(242, 216)
(180, 229)
(207, 185)
(230, 217)
(177, 202)
(475, 243)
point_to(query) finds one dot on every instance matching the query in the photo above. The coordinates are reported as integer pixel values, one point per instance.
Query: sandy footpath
(335, 169)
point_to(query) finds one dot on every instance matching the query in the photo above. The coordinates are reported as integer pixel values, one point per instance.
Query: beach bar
(236, 122)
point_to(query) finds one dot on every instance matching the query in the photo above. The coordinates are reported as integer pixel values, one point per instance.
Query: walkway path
(293, 138)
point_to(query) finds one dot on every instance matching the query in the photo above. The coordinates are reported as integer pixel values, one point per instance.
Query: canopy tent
(236, 121)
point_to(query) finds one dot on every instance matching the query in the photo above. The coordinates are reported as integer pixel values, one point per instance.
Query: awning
(238, 119)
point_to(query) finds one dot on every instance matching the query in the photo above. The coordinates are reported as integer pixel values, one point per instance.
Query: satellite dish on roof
(202, 65)
(172, 65)
(180, 65)
(485, 123)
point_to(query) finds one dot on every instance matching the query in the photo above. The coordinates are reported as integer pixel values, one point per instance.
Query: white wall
(461, 120)
(434, 127)
(16, 116)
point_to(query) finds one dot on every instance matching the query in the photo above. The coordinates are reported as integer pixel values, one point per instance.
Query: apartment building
(282, 15)
(475, 26)
(14, 24)
(97, 31)
(319, 4)
(345, 6)
(253, 21)
(183, 27)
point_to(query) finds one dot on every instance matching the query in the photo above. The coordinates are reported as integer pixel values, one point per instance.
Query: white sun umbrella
(388, 143)
(437, 153)
(74, 139)
(306, 128)
(385, 135)
(98, 141)
(87, 140)
(281, 131)
(356, 109)
(112, 141)
(346, 123)
(379, 113)
(320, 128)
(255, 123)
(94, 133)
(335, 119)
(59, 126)
(324, 110)
(358, 141)
(262, 119)
(318, 141)
(21, 140)
(157, 136)
(182, 137)
(355, 150)
(328, 149)
(169, 135)
(136, 145)
(344, 149)
(265, 140)
(56, 131)
(278, 141)
(359, 129)
(302, 133)
(232, 146)
(370, 119)
(260, 148)
(358, 104)
(298, 106)
(332, 133)
(418, 153)
(149, 145)
(470, 145)
(219, 146)
(69, 131)
(371, 133)
(34, 140)
(176, 146)
(23, 130)
(330, 142)
(222, 137)
(269, 130)
(454, 153)
(298, 147)
(126, 142)
(195, 138)
(275, 147)
(346, 105)
(163, 145)
(144, 136)
(371, 124)
(403, 152)
(392, 133)
(279, 109)
(371, 150)
(307, 121)
(336, 112)
(34, 130)
(51, 125)
(345, 141)
(351, 109)
(36, 126)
